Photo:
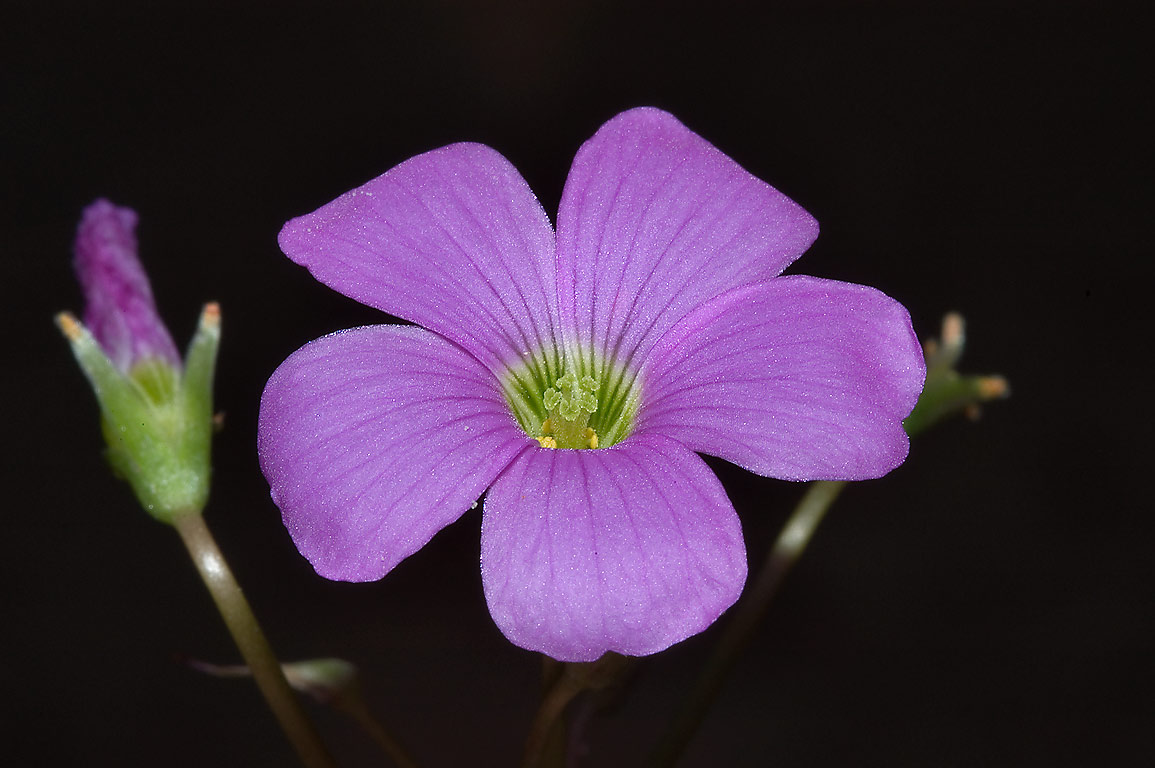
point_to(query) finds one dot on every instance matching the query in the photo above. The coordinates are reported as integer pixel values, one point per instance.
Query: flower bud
(946, 391)
(156, 413)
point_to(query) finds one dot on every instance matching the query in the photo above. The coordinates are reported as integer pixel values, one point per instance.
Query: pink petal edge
(654, 221)
(376, 438)
(628, 549)
(453, 240)
(797, 378)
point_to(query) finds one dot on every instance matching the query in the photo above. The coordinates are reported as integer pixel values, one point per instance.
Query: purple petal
(119, 307)
(376, 438)
(453, 240)
(798, 378)
(628, 549)
(655, 221)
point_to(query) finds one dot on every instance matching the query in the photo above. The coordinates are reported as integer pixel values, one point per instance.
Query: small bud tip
(992, 387)
(69, 326)
(211, 315)
(953, 329)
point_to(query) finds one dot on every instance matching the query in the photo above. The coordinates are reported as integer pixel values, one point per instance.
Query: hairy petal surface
(628, 549)
(374, 439)
(797, 378)
(453, 240)
(653, 222)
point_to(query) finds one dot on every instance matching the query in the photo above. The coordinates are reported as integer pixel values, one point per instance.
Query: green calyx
(156, 418)
(591, 405)
(947, 392)
(158, 380)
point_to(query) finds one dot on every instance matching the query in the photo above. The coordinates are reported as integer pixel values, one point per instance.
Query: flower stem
(251, 641)
(787, 548)
(547, 744)
(385, 740)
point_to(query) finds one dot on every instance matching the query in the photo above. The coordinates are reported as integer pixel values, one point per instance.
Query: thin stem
(545, 744)
(388, 744)
(562, 682)
(552, 753)
(787, 548)
(247, 634)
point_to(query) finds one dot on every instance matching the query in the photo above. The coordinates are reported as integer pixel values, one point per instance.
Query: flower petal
(653, 222)
(119, 307)
(628, 549)
(797, 378)
(374, 439)
(453, 240)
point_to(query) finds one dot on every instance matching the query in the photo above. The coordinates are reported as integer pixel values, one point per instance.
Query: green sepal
(156, 419)
(947, 392)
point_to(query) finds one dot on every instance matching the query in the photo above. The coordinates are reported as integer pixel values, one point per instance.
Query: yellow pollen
(548, 442)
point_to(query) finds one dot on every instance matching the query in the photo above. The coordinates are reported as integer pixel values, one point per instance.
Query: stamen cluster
(570, 406)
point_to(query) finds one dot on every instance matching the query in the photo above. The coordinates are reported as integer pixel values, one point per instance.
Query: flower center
(591, 405)
(570, 407)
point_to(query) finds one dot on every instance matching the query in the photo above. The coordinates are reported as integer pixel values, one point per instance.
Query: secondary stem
(389, 745)
(545, 745)
(251, 641)
(787, 548)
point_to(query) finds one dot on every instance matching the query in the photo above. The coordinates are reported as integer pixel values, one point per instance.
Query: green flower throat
(575, 401)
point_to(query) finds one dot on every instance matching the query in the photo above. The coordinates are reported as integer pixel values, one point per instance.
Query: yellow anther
(591, 437)
(547, 442)
(547, 427)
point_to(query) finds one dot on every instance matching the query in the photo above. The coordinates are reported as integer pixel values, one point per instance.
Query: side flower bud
(156, 413)
(946, 391)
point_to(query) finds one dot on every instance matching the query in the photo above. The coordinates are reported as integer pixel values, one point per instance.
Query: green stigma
(570, 406)
(573, 399)
(590, 405)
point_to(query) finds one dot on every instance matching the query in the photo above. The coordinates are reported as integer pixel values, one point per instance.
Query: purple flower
(119, 308)
(651, 326)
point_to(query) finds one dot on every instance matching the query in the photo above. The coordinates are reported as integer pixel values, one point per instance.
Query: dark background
(988, 603)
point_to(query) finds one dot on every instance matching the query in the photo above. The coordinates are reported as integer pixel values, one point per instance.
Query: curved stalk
(787, 548)
(251, 641)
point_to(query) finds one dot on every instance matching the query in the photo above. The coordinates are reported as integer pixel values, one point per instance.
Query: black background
(989, 603)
